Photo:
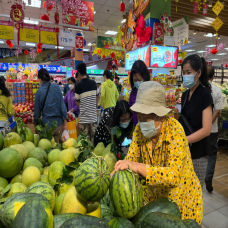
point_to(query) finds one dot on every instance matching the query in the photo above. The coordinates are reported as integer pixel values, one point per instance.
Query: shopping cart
(8, 126)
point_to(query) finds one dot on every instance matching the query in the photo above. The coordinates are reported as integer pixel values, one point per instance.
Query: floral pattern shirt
(169, 171)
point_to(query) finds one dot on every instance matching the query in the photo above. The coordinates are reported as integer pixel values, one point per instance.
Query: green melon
(98, 150)
(44, 178)
(58, 204)
(33, 162)
(12, 138)
(16, 179)
(39, 154)
(16, 188)
(121, 223)
(105, 211)
(45, 144)
(191, 223)
(53, 156)
(3, 182)
(29, 145)
(11, 162)
(45, 190)
(92, 179)
(60, 219)
(126, 193)
(55, 172)
(29, 135)
(22, 150)
(158, 205)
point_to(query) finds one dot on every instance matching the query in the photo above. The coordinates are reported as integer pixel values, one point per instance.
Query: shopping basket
(8, 126)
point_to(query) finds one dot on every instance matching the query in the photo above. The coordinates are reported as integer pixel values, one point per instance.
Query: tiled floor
(216, 203)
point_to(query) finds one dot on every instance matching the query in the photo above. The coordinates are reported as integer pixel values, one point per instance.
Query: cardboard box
(31, 127)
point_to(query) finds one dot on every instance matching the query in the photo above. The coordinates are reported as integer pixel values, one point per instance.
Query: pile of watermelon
(46, 187)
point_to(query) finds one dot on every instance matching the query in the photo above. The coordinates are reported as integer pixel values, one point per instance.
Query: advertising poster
(163, 56)
(181, 31)
(29, 33)
(6, 30)
(158, 36)
(48, 36)
(108, 43)
(139, 54)
(84, 17)
(66, 38)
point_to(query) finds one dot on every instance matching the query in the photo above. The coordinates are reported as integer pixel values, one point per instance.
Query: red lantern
(214, 51)
(39, 51)
(113, 55)
(180, 61)
(116, 62)
(45, 17)
(226, 65)
(8, 42)
(56, 17)
(122, 7)
(11, 45)
(48, 6)
(57, 30)
(39, 45)
(26, 52)
(104, 56)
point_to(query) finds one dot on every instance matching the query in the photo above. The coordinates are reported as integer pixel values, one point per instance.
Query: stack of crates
(19, 92)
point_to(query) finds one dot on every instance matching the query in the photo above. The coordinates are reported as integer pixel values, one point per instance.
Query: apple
(23, 103)
(15, 104)
(33, 109)
(30, 105)
(25, 120)
(26, 104)
(21, 110)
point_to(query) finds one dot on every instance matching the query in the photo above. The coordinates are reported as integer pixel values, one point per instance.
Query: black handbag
(183, 120)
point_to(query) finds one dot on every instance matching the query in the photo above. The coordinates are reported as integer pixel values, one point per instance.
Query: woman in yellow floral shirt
(161, 143)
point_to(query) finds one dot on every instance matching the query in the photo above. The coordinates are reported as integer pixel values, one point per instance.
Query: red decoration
(57, 30)
(56, 17)
(39, 51)
(39, 46)
(17, 13)
(180, 61)
(214, 51)
(48, 6)
(122, 7)
(195, 8)
(226, 65)
(26, 52)
(11, 45)
(8, 42)
(116, 62)
(79, 42)
(113, 55)
(45, 17)
(99, 51)
(104, 56)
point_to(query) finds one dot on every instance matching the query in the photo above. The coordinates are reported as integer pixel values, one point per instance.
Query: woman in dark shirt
(198, 111)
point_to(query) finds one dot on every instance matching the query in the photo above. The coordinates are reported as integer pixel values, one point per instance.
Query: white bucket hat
(151, 99)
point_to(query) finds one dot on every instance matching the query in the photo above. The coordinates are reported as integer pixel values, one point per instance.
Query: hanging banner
(195, 8)
(181, 31)
(205, 9)
(29, 33)
(48, 36)
(108, 43)
(79, 42)
(6, 30)
(158, 37)
(66, 38)
(84, 16)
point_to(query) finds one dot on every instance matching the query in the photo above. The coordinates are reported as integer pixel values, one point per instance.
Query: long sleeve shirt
(54, 108)
(69, 99)
(132, 101)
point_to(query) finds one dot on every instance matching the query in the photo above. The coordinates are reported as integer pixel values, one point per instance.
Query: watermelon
(120, 223)
(191, 223)
(85, 221)
(162, 220)
(105, 211)
(106, 199)
(159, 205)
(60, 219)
(14, 203)
(108, 218)
(34, 214)
(45, 190)
(92, 179)
(126, 193)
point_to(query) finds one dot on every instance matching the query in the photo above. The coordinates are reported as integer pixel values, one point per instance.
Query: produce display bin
(223, 125)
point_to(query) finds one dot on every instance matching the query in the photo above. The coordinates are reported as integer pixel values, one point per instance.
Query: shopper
(61, 86)
(69, 99)
(49, 103)
(197, 105)
(162, 144)
(114, 74)
(121, 117)
(218, 106)
(118, 85)
(139, 74)
(86, 99)
(77, 78)
(66, 88)
(6, 105)
(109, 92)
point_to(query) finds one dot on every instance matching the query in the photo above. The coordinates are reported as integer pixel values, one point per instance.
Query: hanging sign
(158, 36)
(181, 31)
(66, 38)
(218, 8)
(17, 13)
(195, 8)
(6, 30)
(217, 24)
(205, 9)
(108, 43)
(29, 33)
(48, 36)
(79, 42)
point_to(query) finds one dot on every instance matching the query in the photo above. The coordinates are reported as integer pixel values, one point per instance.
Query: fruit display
(24, 107)
(44, 184)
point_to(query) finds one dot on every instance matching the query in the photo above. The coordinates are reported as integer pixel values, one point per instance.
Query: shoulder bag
(46, 97)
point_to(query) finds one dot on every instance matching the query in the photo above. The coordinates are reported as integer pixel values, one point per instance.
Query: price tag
(6, 32)
(29, 33)
(66, 38)
(48, 37)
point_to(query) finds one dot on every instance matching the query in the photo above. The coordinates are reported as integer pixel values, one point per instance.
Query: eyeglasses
(124, 120)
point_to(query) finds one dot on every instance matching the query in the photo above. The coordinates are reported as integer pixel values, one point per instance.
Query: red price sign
(79, 42)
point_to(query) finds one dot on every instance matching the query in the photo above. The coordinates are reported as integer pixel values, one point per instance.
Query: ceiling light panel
(222, 53)
(34, 3)
(31, 22)
(31, 44)
(111, 32)
(189, 50)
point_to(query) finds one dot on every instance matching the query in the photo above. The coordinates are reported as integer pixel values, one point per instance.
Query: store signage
(205, 9)
(139, 54)
(108, 43)
(100, 72)
(195, 7)
(84, 17)
(181, 31)
(218, 8)
(217, 24)
(6, 30)
(79, 42)
(66, 38)
(29, 33)
(158, 37)
(4, 66)
(69, 74)
(164, 56)
(48, 36)
(13, 65)
(17, 13)
(53, 68)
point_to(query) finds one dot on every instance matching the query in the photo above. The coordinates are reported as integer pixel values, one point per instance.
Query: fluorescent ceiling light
(85, 49)
(94, 12)
(189, 50)
(201, 51)
(91, 66)
(214, 59)
(1, 42)
(31, 22)
(60, 47)
(111, 32)
(31, 44)
(89, 44)
(189, 42)
(123, 21)
(222, 54)
(34, 3)
(212, 45)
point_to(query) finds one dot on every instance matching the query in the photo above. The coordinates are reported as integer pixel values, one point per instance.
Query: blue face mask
(148, 129)
(137, 84)
(125, 125)
(189, 80)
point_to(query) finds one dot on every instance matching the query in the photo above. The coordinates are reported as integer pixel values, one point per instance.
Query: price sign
(48, 36)
(66, 38)
(29, 33)
(6, 30)
(79, 42)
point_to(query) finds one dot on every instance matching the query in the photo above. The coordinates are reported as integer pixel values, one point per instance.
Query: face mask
(137, 84)
(148, 129)
(71, 86)
(189, 80)
(125, 125)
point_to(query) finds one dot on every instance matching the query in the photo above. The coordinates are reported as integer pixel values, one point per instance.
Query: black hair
(72, 79)
(139, 67)
(117, 78)
(60, 83)
(114, 67)
(3, 88)
(76, 75)
(82, 68)
(3, 78)
(210, 72)
(198, 63)
(44, 75)
(108, 74)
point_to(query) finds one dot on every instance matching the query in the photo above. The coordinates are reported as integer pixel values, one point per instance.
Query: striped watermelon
(45, 190)
(13, 205)
(120, 222)
(92, 179)
(105, 211)
(60, 219)
(126, 193)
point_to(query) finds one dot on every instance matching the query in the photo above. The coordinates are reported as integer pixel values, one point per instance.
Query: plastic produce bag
(65, 136)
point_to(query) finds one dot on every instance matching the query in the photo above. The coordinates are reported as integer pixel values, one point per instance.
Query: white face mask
(148, 129)
(71, 86)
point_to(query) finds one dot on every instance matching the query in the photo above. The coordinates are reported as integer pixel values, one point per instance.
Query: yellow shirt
(170, 172)
(6, 107)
